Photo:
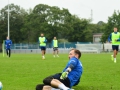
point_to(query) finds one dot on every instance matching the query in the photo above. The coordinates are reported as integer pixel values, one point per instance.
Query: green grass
(25, 71)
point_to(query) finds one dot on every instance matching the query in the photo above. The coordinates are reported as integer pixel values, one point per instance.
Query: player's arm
(45, 40)
(69, 69)
(118, 38)
(10, 42)
(109, 38)
(66, 72)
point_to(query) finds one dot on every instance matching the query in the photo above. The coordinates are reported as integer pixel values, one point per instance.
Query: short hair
(76, 51)
(39, 87)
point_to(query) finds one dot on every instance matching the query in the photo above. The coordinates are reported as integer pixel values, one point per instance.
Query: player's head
(55, 38)
(7, 38)
(74, 53)
(39, 87)
(115, 29)
(41, 34)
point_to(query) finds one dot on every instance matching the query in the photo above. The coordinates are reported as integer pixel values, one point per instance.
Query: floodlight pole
(8, 21)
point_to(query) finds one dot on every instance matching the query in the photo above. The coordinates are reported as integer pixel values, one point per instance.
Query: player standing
(42, 42)
(113, 38)
(8, 43)
(55, 47)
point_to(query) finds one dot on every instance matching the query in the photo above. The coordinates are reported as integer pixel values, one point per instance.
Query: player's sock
(62, 86)
(55, 89)
(57, 55)
(43, 57)
(114, 60)
(112, 57)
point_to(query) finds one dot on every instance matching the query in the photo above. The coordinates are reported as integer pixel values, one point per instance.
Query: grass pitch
(25, 71)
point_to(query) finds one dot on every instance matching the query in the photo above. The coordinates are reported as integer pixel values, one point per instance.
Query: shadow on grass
(81, 87)
(85, 88)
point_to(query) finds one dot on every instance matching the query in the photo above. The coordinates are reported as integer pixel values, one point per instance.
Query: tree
(16, 22)
(46, 19)
(79, 27)
(113, 21)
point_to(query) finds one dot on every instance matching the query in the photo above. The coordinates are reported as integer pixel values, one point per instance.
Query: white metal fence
(48, 50)
(94, 48)
(84, 48)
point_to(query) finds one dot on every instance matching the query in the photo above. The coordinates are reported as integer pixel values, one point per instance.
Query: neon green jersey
(115, 37)
(41, 40)
(55, 43)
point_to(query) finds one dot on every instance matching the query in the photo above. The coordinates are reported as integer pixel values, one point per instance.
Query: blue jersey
(8, 43)
(75, 74)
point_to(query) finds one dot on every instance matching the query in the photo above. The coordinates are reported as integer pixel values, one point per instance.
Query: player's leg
(9, 52)
(55, 82)
(43, 55)
(43, 52)
(112, 56)
(115, 53)
(57, 51)
(39, 87)
(53, 52)
(117, 48)
(45, 87)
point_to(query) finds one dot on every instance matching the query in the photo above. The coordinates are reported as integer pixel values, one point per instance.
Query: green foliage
(25, 71)
(62, 40)
(16, 19)
(113, 21)
(26, 25)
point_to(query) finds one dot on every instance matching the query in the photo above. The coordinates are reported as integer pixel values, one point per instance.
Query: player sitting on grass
(69, 77)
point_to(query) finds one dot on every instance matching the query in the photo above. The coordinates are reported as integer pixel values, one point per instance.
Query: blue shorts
(115, 47)
(66, 81)
(48, 79)
(42, 47)
(55, 48)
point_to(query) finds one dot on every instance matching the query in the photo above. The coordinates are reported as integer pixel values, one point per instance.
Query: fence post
(64, 45)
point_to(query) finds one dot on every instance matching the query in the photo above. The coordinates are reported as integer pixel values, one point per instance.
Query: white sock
(62, 86)
(55, 89)
(43, 56)
(115, 59)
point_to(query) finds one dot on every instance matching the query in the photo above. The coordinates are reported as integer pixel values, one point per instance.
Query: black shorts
(55, 48)
(42, 47)
(66, 81)
(115, 47)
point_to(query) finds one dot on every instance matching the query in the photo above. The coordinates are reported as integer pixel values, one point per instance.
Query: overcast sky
(101, 9)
